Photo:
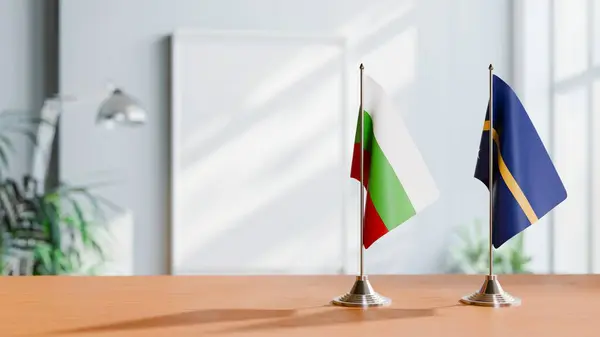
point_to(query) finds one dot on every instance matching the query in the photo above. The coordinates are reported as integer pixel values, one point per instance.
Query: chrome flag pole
(491, 293)
(362, 293)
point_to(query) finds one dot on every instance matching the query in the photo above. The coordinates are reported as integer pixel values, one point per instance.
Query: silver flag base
(491, 294)
(361, 295)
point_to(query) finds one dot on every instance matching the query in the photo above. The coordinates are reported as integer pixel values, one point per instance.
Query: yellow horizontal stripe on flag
(510, 181)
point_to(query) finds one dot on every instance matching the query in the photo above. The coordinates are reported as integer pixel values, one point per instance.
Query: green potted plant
(471, 254)
(54, 232)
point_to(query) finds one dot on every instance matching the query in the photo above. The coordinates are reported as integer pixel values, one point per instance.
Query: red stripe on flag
(355, 168)
(374, 226)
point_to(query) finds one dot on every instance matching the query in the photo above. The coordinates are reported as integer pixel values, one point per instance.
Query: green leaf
(30, 135)
(51, 219)
(42, 252)
(3, 158)
(15, 117)
(74, 257)
(7, 142)
(96, 201)
(83, 225)
(98, 249)
(56, 255)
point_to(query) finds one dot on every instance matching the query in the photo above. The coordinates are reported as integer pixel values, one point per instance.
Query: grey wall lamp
(119, 108)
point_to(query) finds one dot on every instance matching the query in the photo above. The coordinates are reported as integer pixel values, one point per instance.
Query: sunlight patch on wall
(570, 46)
(571, 160)
(375, 17)
(394, 63)
(272, 157)
(307, 64)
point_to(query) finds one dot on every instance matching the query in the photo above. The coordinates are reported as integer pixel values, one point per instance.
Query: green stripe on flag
(386, 190)
(388, 195)
(368, 131)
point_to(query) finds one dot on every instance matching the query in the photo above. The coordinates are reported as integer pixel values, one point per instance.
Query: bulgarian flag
(396, 178)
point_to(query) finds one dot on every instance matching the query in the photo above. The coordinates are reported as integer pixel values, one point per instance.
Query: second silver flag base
(491, 294)
(361, 295)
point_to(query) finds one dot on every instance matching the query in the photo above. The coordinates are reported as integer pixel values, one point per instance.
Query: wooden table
(292, 306)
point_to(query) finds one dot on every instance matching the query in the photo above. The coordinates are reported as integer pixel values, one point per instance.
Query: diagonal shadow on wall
(258, 222)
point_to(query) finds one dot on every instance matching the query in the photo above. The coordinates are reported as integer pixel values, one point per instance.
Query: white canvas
(260, 153)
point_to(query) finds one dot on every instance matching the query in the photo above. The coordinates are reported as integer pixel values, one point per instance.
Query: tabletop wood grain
(292, 306)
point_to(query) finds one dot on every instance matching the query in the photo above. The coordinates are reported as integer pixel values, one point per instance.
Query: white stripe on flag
(398, 147)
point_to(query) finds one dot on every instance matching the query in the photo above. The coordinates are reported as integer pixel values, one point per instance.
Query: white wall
(432, 55)
(22, 71)
(556, 57)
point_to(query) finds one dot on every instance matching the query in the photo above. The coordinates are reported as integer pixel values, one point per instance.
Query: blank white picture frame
(260, 153)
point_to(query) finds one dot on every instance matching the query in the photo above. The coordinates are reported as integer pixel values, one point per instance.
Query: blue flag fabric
(526, 185)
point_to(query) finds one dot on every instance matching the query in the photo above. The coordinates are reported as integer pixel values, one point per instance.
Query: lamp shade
(121, 109)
